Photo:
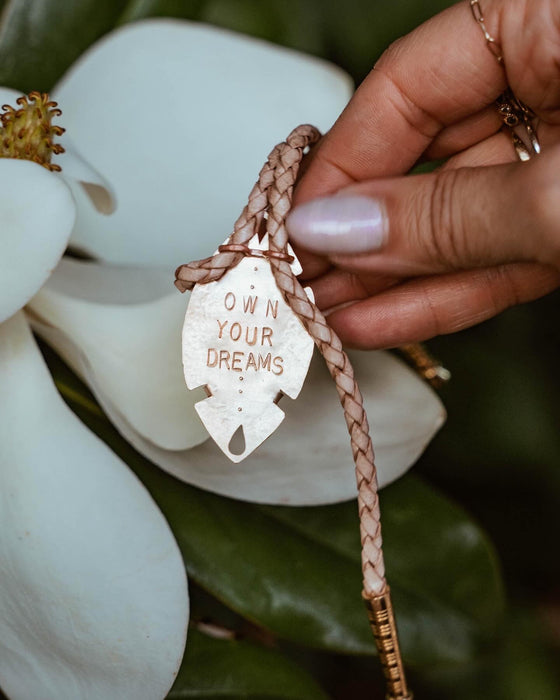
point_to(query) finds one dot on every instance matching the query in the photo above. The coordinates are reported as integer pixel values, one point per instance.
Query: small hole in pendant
(237, 443)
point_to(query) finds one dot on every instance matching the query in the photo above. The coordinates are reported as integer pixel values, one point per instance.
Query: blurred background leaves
(40, 39)
(280, 587)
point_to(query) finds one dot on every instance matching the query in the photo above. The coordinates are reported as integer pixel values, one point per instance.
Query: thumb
(447, 220)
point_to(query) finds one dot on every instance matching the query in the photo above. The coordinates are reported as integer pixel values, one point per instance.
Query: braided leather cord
(273, 194)
(270, 201)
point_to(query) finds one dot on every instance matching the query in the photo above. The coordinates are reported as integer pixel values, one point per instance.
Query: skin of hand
(396, 259)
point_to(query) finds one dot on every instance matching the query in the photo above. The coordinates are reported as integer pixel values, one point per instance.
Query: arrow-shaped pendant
(244, 344)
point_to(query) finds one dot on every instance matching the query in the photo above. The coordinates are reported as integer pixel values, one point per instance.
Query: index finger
(435, 76)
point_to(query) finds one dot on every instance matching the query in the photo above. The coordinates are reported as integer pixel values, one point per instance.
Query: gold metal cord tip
(27, 131)
(383, 625)
(425, 364)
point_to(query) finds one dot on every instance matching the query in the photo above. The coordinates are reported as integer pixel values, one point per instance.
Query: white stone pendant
(244, 344)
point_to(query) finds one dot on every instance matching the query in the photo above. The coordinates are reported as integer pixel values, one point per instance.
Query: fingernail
(339, 224)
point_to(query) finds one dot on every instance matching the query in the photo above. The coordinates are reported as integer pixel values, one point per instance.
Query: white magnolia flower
(178, 117)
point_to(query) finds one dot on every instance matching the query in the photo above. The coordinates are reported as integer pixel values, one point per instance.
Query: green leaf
(296, 571)
(39, 40)
(225, 668)
(523, 665)
(441, 568)
(141, 9)
(360, 34)
(502, 435)
(298, 24)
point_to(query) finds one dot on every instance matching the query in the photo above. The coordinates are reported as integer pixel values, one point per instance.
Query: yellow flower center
(27, 132)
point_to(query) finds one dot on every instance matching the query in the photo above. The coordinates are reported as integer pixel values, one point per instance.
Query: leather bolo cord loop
(269, 203)
(254, 252)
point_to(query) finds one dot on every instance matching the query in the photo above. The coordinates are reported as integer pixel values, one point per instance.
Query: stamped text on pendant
(247, 347)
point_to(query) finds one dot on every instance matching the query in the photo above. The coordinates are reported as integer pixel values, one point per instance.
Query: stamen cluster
(27, 132)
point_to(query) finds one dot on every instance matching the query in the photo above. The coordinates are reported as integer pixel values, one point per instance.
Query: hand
(406, 258)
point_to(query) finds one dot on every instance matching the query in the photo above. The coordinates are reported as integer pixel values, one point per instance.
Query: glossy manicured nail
(340, 224)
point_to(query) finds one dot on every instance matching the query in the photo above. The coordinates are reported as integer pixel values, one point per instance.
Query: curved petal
(307, 461)
(180, 117)
(94, 602)
(74, 167)
(115, 328)
(94, 185)
(37, 212)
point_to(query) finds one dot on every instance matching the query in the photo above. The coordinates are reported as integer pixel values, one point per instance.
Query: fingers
(313, 265)
(461, 136)
(432, 93)
(338, 287)
(530, 38)
(436, 76)
(499, 148)
(448, 220)
(496, 150)
(425, 307)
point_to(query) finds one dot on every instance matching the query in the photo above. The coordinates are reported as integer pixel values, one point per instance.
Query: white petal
(116, 330)
(93, 602)
(180, 117)
(8, 96)
(307, 461)
(37, 213)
